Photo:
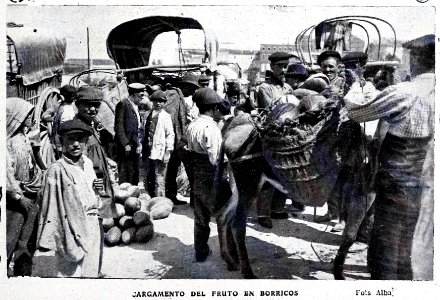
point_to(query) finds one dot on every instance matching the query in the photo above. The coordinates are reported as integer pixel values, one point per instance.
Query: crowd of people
(55, 214)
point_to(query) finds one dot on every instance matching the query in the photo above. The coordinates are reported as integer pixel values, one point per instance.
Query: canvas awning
(39, 53)
(129, 44)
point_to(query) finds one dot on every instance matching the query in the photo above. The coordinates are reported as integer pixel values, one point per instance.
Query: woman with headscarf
(23, 179)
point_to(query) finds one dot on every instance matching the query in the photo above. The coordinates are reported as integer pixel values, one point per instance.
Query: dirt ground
(295, 248)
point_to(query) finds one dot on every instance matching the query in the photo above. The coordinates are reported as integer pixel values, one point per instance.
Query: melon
(141, 218)
(132, 205)
(134, 191)
(126, 222)
(144, 234)
(107, 223)
(121, 196)
(128, 235)
(160, 211)
(125, 186)
(159, 200)
(113, 236)
(120, 210)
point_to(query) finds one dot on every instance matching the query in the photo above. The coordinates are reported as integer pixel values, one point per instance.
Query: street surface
(296, 248)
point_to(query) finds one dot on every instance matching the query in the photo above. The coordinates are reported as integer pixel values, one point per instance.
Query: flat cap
(136, 86)
(326, 54)
(296, 69)
(159, 96)
(280, 57)
(355, 57)
(89, 94)
(206, 96)
(75, 126)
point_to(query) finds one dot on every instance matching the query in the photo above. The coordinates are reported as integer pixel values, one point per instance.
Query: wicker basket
(306, 165)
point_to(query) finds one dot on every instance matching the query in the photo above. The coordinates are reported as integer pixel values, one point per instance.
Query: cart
(34, 68)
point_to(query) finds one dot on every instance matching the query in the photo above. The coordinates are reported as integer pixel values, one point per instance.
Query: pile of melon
(135, 212)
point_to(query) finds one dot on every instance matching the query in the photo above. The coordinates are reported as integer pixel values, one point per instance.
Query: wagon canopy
(129, 44)
(39, 53)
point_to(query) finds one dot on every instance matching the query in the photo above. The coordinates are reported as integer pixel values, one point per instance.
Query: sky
(240, 27)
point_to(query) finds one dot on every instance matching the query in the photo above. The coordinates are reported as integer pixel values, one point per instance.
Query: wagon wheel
(46, 107)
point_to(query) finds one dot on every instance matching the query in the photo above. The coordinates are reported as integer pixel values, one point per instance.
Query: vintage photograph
(228, 142)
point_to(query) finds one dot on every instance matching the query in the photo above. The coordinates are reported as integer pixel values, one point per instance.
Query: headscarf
(17, 110)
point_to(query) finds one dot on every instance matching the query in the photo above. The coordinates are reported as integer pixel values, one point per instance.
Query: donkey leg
(239, 234)
(227, 245)
(356, 212)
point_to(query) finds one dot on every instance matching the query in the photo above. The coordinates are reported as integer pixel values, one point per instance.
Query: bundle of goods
(135, 212)
(301, 150)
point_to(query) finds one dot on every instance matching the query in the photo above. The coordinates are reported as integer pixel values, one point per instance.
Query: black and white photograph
(170, 150)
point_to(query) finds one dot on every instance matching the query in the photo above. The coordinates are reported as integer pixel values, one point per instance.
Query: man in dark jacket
(175, 106)
(127, 122)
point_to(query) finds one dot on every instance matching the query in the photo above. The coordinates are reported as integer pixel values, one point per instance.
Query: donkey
(243, 147)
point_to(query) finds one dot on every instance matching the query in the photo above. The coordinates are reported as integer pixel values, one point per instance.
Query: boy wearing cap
(127, 124)
(88, 102)
(204, 141)
(69, 230)
(157, 145)
(408, 108)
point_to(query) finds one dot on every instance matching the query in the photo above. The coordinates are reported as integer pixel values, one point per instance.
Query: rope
(180, 50)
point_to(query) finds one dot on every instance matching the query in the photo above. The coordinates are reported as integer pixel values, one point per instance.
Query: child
(157, 144)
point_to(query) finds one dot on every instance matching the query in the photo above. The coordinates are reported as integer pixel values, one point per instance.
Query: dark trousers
(204, 201)
(170, 181)
(336, 206)
(20, 228)
(396, 213)
(128, 167)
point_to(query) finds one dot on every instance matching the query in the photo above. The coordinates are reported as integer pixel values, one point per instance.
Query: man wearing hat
(70, 211)
(204, 141)
(88, 101)
(273, 91)
(296, 74)
(275, 88)
(175, 106)
(127, 123)
(408, 108)
(157, 145)
(329, 62)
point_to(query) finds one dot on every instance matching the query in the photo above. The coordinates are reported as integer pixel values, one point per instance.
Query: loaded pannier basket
(302, 153)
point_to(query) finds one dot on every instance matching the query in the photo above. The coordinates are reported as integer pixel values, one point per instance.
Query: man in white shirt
(204, 144)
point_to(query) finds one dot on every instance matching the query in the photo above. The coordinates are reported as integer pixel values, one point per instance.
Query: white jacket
(163, 138)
